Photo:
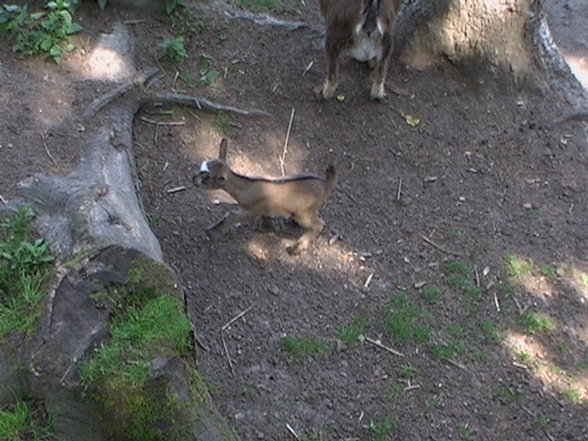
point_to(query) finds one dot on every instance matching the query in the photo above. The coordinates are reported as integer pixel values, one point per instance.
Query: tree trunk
(508, 38)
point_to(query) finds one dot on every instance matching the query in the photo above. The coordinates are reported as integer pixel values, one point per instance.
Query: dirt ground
(482, 180)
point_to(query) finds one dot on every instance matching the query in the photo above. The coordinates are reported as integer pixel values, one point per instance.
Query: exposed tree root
(200, 103)
(103, 100)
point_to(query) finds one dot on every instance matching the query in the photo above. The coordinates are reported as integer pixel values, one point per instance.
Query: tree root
(200, 103)
(103, 100)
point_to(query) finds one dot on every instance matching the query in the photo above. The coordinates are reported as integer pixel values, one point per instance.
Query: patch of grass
(223, 123)
(25, 266)
(465, 431)
(408, 371)
(544, 423)
(353, 333)
(24, 421)
(380, 431)
(444, 351)
(395, 391)
(175, 49)
(40, 33)
(509, 393)
(491, 332)
(403, 320)
(548, 271)
(305, 345)
(460, 277)
(259, 5)
(533, 323)
(584, 279)
(452, 233)
(517, 267)
(431, 293)
(573, 395)
(146, 325)
(436, 402)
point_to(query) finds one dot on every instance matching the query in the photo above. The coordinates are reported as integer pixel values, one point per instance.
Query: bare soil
(482, 177)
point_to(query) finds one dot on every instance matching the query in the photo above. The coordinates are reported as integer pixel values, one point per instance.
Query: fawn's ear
(223, 149)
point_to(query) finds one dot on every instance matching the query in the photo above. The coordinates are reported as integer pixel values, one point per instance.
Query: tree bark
(508, 38)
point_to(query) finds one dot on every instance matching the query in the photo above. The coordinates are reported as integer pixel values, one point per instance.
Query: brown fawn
(299, 197)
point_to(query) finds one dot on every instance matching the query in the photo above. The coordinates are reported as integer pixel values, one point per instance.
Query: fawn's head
(214, 173)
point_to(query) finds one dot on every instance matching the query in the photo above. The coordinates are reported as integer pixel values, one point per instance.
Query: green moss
(148, 322)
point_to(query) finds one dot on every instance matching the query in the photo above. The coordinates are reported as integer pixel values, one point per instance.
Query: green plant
(459, 277)
(146, 325)
(548, 271)
(544, 423)
(584, 279)
(408, 371)
(175, 49)
(517, 266)
(305, 345)
(207, 74)
(533, 323)
(25, 265)
(24, 421)
(509, 393)
(186, 21)
(46, 32)
(431, 293)
(436, 402)
(394, 391)
(353, 333)
(260, 5)
(223, 123)
(490, 331)
(402, 320)
(465, 431)
(381, 431)
(573, 395)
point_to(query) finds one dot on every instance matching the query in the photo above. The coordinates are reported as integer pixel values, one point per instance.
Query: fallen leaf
(412, 120)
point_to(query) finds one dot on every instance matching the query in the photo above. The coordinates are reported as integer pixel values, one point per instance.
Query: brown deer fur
(361, 29)
(299, 197)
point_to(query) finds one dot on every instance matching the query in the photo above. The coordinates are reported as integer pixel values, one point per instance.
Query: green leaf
(102, 3)
(74, 28)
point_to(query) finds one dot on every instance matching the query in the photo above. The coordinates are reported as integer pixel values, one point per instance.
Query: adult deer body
(361, 29)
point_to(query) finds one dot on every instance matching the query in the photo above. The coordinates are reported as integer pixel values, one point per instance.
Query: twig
(439, 247)
(100, 102)
(496, 302)
(477, 275)
(292, 431)
(399, 192)
(3, 200)
(381, 346)
(455, 363)
(43, 137)
(367, 281)
(163, 123)
(237, 317)
(200, 103)
(176, 189)
(227, 354)
(201, 343)
(308, 68)
(285, 149)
